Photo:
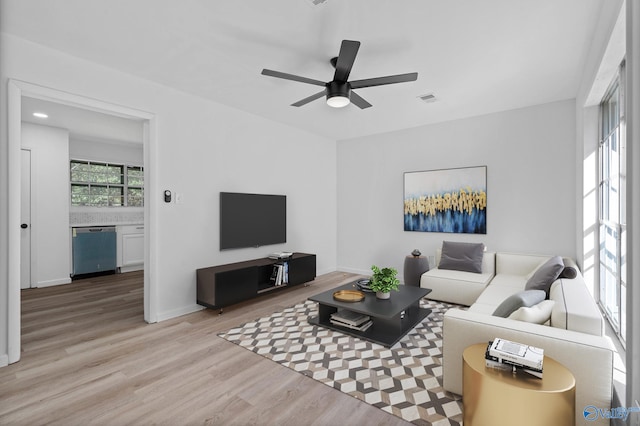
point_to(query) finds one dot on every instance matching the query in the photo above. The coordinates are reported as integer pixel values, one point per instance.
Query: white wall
(122, 153)
(530, 159)
(50, 212)
(202, 148)
(208, 149)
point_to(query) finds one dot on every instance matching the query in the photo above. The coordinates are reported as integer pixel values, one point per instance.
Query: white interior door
(25, 220)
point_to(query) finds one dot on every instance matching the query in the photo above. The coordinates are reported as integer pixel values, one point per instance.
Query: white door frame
(16, 90)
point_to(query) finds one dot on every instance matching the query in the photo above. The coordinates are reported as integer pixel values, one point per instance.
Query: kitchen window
(135, 186)
(100, 184)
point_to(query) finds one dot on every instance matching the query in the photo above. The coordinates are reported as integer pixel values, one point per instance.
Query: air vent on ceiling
(429, 97)
(317, 2)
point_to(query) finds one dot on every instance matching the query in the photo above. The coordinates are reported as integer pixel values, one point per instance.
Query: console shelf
(224, 285)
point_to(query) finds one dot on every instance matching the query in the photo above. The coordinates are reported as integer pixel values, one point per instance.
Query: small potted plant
(383, 281)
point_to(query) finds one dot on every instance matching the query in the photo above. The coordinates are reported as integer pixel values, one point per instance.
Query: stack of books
(279, 255)
(352, 320)
(507, 355)
(280, 274)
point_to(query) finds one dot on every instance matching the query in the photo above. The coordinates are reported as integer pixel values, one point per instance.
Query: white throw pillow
(537, 314)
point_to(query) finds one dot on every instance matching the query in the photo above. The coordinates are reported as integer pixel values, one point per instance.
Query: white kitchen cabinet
(130, 248)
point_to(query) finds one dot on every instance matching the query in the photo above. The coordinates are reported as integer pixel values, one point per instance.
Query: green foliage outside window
(103, 184)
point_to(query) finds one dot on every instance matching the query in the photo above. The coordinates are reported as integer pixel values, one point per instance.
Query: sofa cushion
(537, 314)
(500, 288)
(457, 287)
(545, 275)
(482, 308)
(515, 301)
(519, 263)
(461, 256)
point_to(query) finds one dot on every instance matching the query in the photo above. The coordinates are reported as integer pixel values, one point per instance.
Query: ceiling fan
(339, 91)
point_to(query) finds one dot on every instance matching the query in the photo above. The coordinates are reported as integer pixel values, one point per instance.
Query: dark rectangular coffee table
(392, 318)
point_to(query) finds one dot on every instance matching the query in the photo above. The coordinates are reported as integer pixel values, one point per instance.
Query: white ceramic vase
(381, 295)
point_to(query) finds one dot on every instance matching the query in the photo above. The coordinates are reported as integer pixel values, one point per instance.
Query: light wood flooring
(88, 357)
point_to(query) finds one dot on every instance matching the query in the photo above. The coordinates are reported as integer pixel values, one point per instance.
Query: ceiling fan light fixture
(338, 94)
(338, 91)
(338, 101)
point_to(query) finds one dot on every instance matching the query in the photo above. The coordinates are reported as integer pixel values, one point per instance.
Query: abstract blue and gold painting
(448, 200)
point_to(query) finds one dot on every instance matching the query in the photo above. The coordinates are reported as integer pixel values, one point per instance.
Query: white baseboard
(318, 273)
(367, 272)
(131, 268)
(163, 316)
(50, 283)
(356, 271)
(4, 360)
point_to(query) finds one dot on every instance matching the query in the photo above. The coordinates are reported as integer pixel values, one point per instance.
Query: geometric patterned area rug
(404, 380)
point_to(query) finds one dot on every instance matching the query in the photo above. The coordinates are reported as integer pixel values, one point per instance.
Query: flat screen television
(252, 220)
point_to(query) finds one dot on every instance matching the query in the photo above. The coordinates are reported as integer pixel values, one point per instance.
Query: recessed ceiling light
(40, 115)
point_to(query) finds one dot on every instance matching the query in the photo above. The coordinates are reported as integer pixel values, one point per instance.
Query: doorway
(16, 91)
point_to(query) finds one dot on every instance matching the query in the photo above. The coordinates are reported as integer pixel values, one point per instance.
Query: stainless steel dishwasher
(94, 249)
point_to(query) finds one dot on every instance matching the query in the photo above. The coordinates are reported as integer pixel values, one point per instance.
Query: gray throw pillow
(516, 301)
(568, 272)
(462, 256)
(545, 275)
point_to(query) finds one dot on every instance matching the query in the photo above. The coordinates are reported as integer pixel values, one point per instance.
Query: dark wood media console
(224, 285)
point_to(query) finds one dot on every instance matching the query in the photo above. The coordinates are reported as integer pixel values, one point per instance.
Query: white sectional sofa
(573, 336)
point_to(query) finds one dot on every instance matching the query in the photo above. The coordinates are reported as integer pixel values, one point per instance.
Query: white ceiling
(83, 124)
(475, 56)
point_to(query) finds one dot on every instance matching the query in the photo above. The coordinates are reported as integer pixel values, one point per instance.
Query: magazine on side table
(505, 354)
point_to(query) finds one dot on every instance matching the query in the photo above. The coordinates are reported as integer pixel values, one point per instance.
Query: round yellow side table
(493, 397)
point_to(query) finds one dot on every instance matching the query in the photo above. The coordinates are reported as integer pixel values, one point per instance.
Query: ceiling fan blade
(346, 58)
(379, 81)
(286, 76)
(310, 98)
(359, 101)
